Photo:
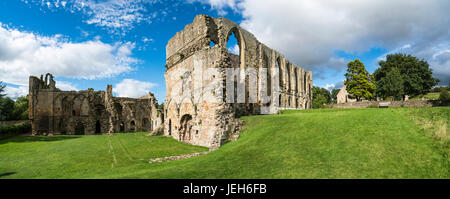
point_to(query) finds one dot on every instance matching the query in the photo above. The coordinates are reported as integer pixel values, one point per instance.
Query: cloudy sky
(92, 43)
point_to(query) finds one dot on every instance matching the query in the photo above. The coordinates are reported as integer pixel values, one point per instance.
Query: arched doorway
(98, 127)
(146, 124)
(185, 127)
(132, 126)
(170, 127)
(122, 127)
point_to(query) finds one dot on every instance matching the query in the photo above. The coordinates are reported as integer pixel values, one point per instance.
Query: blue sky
(92, 43)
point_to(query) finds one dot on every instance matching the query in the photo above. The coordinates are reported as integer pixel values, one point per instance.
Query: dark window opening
(122, 127)
(98, 127)
(132, 126)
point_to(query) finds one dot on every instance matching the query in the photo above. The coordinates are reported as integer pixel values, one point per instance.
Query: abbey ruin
(207, 89)
(202, 104)
(53, 111)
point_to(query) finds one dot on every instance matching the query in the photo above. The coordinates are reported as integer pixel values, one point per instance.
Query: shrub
(19, 128)
(444, 96)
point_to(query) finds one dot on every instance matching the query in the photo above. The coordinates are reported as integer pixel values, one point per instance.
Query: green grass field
(428, 96)
(325, 143)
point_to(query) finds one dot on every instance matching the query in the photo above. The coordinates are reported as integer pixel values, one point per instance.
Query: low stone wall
(179, 157)
(367, 104)
(13, 129)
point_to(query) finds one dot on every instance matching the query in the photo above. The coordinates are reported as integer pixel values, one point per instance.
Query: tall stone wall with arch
(53, 111)
(202, 46)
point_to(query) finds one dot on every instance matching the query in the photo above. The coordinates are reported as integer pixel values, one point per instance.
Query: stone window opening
(212, 44)
(122, 127)
(233, 46)
(132, 126)
(186, 125)
(280, 72)
(170, 127)
(98, 127)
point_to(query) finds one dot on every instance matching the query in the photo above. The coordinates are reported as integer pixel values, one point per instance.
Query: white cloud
(66, 86)
(15, 92)
(309, 32)
(23, 54)
(133, 88)
(396, 50)
(234, 49)
(219, 5)
(118, 16)
(329, 87)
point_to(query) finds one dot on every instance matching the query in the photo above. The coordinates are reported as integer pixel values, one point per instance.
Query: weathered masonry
(190, 115)
(53, 111)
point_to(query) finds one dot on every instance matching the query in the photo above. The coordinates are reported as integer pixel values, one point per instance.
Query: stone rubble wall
(53, 111)
(368, 104)
(212, 124)
(179, 157)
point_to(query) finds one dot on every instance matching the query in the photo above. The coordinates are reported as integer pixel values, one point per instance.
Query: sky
(92, 43)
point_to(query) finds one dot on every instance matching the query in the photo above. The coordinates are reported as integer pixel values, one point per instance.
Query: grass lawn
(428, 96)
(90, 156)
(325, 143)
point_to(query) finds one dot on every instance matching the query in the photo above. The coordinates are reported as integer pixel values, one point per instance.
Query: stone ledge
(179, 157)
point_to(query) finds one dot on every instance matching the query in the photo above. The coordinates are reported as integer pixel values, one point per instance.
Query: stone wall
(202, 46)
(53, 111)
(367, 104)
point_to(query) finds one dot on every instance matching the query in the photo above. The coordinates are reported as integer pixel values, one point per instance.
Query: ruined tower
(53, 111)
(204, 97)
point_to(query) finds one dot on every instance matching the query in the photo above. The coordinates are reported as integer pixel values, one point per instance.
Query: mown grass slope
(327, 143)
(90, 156)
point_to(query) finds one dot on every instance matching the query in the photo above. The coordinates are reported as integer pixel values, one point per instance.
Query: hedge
(20, 128)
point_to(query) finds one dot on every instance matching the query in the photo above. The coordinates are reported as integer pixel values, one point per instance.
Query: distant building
(343, 96)
(53, 111)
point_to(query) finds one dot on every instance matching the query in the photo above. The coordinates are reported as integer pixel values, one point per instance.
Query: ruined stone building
(190, 114)
(343, 96)
(53, 111)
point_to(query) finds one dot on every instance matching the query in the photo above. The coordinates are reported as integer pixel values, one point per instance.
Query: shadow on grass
(7, 174)
(38, 138)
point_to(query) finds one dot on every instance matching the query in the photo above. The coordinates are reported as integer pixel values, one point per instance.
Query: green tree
(6, 108)
(360, 84)
(334, 93)
(391, 85)
(2, 89)
(318, 101)
(444, 96)
(20, 109)
(321, 96)
(416, 74)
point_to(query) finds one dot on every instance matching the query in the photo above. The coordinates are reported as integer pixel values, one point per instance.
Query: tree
(360, 84)
(6, 108)
(334, 93)
(2, 89)
(318, 101)
(444, 96)
(416, 74)
(20, 109)
(321, 96)
(391, 85)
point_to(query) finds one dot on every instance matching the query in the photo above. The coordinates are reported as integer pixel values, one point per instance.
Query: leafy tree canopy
(360, 84)
(2, 89)
(415, 74)
(334, 93)
(391, 85)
